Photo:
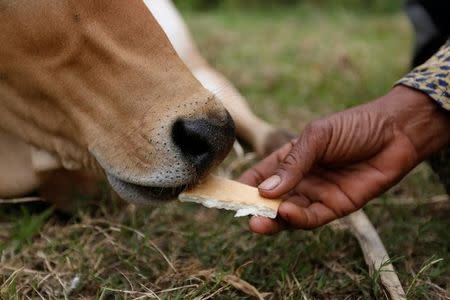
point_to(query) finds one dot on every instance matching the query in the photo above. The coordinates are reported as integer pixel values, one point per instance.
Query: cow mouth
(144, 194)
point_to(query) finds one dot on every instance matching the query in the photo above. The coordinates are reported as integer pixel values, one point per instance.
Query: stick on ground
(375, 253)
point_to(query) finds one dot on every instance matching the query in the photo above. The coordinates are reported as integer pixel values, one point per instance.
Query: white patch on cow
(173, 25)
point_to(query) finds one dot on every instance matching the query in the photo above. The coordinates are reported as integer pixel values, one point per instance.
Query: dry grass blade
(20, 200)
(215, 293)
(375, 253)
(22, 269)
(243, 286)
(151, 295)
(437, 199)
(178, 288)
(438, 292)
(141, 235)
(421, 271)
(10, 279)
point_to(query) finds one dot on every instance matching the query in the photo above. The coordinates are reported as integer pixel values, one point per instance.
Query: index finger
(265, 168)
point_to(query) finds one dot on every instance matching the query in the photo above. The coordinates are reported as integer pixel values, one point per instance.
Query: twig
(375, 253)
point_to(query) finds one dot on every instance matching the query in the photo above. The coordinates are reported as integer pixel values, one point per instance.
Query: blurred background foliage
(381, 6)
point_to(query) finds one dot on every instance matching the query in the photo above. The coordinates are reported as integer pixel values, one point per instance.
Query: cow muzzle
(200, 143)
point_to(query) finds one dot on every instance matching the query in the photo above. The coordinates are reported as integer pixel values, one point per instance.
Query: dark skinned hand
(344, 160)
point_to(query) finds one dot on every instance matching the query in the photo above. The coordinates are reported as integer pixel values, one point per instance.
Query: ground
(293, 65)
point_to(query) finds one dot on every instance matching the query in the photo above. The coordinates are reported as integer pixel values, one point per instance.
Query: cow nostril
(187, 135)
(202, 142)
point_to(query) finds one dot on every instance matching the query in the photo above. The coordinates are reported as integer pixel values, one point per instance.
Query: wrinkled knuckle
(291, 161)
(317, 130)
(312, 222)
(307, 221)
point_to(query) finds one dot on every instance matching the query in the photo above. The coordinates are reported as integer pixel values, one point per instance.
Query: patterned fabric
(433, 78)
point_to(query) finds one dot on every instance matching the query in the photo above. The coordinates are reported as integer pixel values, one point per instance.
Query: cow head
(97, 84)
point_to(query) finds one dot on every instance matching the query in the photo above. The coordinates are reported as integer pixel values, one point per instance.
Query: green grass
(369, 6)
(310, 59)
(293, 65)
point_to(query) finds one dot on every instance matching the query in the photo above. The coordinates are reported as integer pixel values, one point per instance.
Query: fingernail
(270, 183)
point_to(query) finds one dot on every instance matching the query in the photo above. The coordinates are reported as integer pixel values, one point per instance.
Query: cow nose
(204, 142)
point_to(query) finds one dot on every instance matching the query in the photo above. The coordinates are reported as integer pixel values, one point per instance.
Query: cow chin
(140, 194)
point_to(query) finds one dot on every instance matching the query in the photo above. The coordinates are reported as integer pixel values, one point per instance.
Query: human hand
(342, 161)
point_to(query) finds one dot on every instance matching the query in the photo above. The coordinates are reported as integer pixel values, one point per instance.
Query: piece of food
(227, 194)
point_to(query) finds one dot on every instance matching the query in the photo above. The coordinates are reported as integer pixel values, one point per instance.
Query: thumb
(304, 154)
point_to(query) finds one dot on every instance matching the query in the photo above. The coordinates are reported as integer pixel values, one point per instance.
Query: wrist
(417, 116)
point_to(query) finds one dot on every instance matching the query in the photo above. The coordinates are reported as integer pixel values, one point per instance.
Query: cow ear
(43, 161)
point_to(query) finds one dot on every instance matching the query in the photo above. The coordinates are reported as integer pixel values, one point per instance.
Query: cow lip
(143, 194)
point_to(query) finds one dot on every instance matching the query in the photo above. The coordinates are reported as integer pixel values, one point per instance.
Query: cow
(116, 88)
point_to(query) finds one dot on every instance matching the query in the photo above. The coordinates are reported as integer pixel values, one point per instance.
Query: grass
(293, 65)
